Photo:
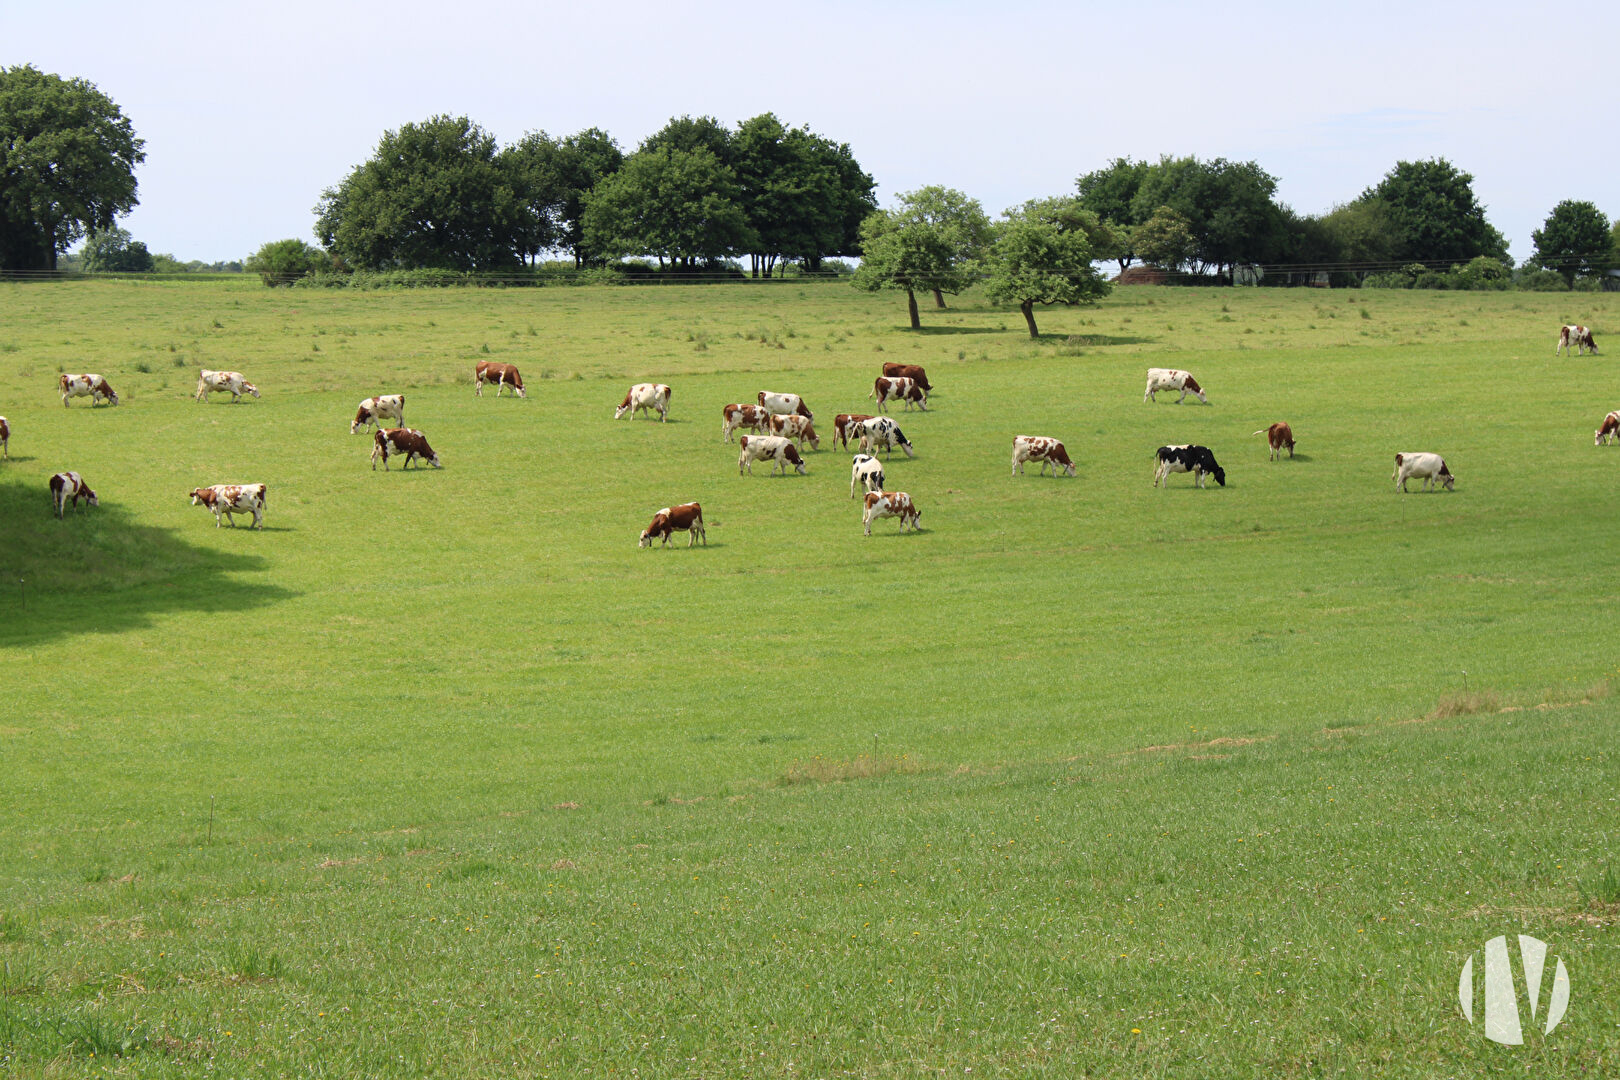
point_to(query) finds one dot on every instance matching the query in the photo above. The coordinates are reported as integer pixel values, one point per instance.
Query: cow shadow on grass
(98, 570)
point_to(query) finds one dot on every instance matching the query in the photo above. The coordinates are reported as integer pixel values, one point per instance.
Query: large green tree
(282, 262)
(1228, 205)
(1165, 240)
(433, 195)
(681, 206)
(805, 195)
(1434, 215)
(583, 160)
(928, 242)
(1110, 193)
(1042, 255)
(533, 172)
(1574, 240)
(67, 165)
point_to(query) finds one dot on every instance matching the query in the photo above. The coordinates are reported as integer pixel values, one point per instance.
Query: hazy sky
(250, 110)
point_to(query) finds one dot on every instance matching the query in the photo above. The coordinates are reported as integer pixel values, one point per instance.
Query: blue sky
(249, 111)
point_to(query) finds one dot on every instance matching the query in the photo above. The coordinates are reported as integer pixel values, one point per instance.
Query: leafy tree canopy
(112, 251)
(282, 262)
(1574, 240)
(679, 205)
(1165, 240)
(1041, 254)
(928, 242)
(1110, 193)
(433, 195)
(67, 165)
(583, 160)
(1433, 213)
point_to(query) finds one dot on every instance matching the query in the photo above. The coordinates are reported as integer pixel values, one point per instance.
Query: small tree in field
(1042, 254)
(1573, 240)
(1165, 240)
(281, 262)
(927, 244)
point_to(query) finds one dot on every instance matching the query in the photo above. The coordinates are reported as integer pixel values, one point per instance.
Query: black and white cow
(866, 473)
(1194, 459)
(880, 431)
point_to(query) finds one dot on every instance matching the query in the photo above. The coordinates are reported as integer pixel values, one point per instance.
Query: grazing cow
(908, 371)
(643, 397)
(232, 499)
(898, 504)
(782, 404)
(1194, 459)
(1430, 468)
(1172, 379)
(69, 485)
(93, 387)
(880, 431)
(1042, 449)
(374, 410)
(1577, 337)
(739, 415)
(687, 518)
(794, 426)
(906, 390)
(502, 375)
(401, 440)
(866, 472)
(845, 427)
(224, 381)
(1607, 433)
(768, 448)
(5, 437)
(1278, 435)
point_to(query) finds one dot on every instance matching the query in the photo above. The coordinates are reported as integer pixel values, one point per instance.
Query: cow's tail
(1262, 431)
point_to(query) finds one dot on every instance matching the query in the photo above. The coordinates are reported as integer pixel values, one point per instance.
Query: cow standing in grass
(687, 518)
(1607, 432)
(881, 504)
(1172, 379)
(93, 387)
(645, 397)
(224, 382)
(740, 415)
(228, 500)
(374, 410)
(5, 437)
(502, 375)
(781, 452)
(866, 473)
(1042, 449)
(1578, 338)
(1430, 468)
(1278, 435)
(70, 487)
(846, 426)
(1197, 460)
(401, 441)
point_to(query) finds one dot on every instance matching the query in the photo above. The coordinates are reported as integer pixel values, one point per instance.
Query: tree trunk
(1028, 308)
(939, 299)
(911, 305)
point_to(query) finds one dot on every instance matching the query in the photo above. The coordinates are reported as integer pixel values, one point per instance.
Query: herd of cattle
(780, 425)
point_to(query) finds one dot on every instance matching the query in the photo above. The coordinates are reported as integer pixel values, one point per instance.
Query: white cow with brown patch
(1607, 432)
(1172, 379)
(908, 390)
(882, 504)
(773, 448)
(374, 410)
(741, 415)
(5, 437)
(228, 500)
(1430, 468)
(70, 487)
(797, 428)
(782, 404)
(224, 382)
(1578, 338)
(645, 397)
(1040, 448)
(93, 387)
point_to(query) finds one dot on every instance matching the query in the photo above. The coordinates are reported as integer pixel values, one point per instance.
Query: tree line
(444, 195)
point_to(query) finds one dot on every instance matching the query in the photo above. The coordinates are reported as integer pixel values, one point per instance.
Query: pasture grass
(439, 774)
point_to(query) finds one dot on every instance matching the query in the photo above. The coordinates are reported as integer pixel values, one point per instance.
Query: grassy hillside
(1087, 776)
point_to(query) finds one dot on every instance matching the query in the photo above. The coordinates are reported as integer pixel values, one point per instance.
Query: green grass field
(439, 774)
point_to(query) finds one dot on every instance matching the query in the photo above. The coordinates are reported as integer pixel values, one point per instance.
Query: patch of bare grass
(819, 770)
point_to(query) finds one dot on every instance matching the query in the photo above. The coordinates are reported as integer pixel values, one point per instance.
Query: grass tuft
(819, 770)
(1466, 703)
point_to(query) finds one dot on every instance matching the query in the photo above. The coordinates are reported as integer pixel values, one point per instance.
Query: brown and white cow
(70, 485)
(93, 387)
(687, 518)
(794, 426)
(401, 440)
(644, 397)
(846, 426)
(881, 504)
(1278, 435)
(502, 375)
(782, 404)
(5, 437)
(773, 448)
(374, 410)
(228, 500)
(903, 389)
(1578, 338)
(740, 415)
(1172, 379)
(230, 382)
(908, 371)
(1430, 468)
(1039, 448)
(1607, 433)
